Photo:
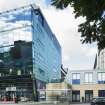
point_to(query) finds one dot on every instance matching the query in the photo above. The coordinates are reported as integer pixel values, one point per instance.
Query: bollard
(5, 99)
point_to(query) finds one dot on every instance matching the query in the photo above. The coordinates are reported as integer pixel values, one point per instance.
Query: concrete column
(82, 94)
(95, 93)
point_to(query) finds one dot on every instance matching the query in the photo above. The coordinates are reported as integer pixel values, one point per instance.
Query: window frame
(76, 77)
(89, 78)
(101, 78)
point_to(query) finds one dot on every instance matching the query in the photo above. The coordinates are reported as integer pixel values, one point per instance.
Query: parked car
(98, 101)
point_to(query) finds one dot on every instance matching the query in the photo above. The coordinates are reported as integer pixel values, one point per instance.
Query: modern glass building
(30, 54)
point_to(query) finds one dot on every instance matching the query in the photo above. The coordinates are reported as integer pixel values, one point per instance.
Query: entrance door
(88, 95)
(75, 96)
(101, 93)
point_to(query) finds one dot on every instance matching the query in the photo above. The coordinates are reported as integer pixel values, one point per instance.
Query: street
(33, 103)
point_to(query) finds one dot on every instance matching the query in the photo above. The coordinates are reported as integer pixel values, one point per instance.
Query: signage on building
(10, 88)
(42, 94)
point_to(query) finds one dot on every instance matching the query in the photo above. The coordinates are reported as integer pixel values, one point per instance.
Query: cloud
(89, 51)
(11, 4)
(5, 5)
(65, 26)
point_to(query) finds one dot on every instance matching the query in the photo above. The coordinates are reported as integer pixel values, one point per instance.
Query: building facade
(29, 51)
(87, 84)
(100, 60)
(58, 92)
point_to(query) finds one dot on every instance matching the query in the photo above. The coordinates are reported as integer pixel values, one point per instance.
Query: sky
(75, 56)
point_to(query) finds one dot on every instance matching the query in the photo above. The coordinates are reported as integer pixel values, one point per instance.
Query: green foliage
(93, 29)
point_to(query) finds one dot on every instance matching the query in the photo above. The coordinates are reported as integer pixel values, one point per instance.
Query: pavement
(81, 104)
(40, 103)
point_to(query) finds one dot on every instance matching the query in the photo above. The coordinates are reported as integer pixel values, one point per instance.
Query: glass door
(88, 95)
(75, 96)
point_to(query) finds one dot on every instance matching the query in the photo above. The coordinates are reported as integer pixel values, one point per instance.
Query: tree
(93, 29)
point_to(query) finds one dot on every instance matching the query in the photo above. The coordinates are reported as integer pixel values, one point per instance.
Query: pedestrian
(83, 99)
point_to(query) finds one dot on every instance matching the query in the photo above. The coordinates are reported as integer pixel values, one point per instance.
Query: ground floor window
(101, 93)
(88, 95)
(76, 96)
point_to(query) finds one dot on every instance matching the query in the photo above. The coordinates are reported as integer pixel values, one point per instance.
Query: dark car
(98, 101)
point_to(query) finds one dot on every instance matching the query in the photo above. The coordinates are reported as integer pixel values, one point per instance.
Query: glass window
(101, 77)
(76, 78)
(88, 77)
